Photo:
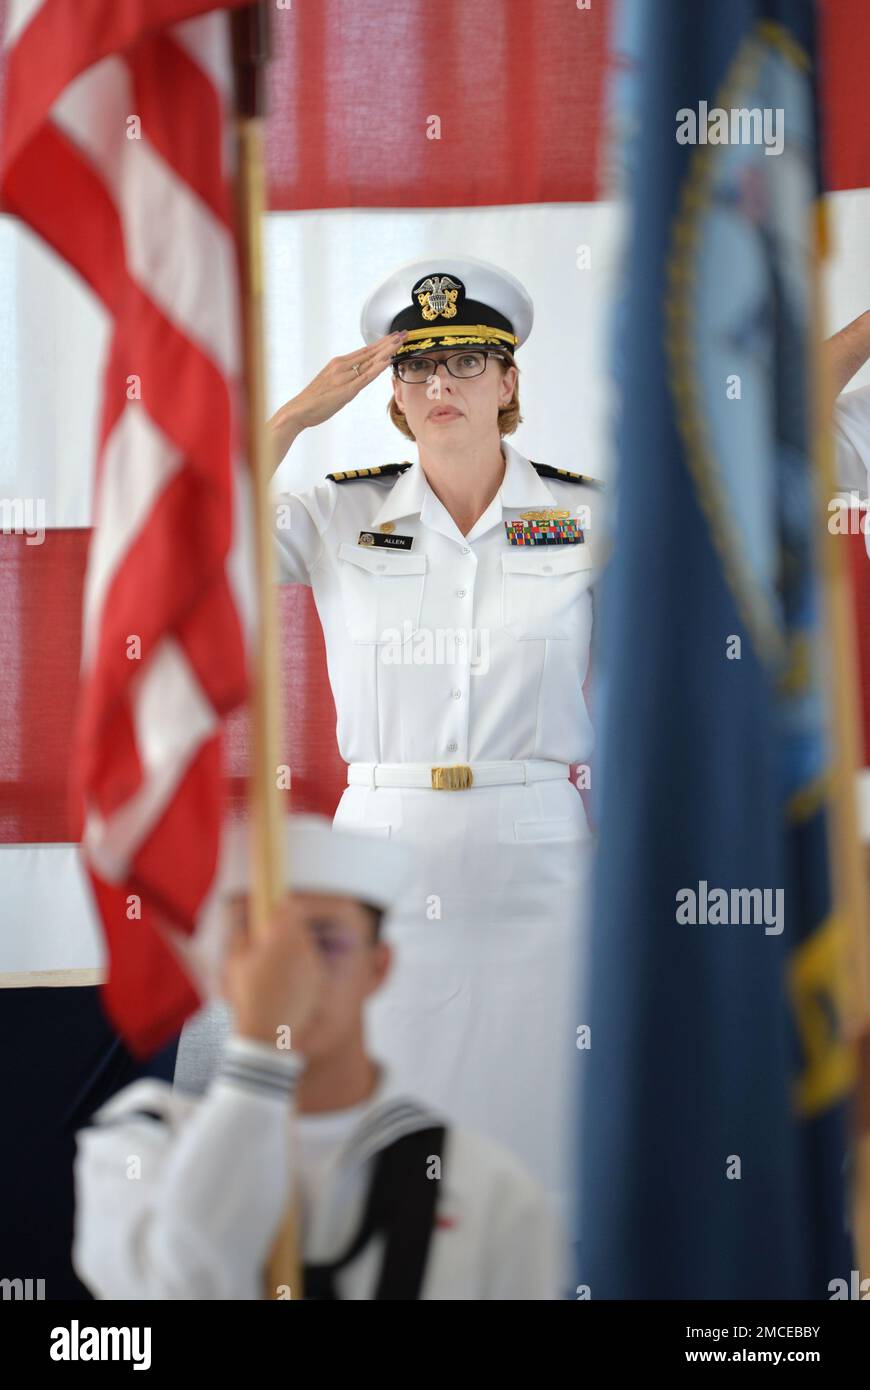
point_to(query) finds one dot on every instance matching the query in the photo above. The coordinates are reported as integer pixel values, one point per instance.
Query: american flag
(118, 152)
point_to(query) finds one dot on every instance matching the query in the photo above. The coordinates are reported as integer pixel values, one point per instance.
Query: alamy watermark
(742, 125)
(848, 515)
(77, 1343)
(440, 646)
(735, 907)
(27, 1290)
(23, 516)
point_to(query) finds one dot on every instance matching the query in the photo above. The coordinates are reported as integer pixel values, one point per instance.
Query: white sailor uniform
(197, 1218)
(466, 650)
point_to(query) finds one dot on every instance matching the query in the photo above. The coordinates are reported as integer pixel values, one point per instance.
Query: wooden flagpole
(269, 880)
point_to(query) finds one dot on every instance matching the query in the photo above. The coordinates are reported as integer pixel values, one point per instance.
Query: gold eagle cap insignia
(437, 296)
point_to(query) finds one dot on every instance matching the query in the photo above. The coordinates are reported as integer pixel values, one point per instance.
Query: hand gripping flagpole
(250, 53)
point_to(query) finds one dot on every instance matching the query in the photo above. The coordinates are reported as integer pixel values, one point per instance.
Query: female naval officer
(454, 595)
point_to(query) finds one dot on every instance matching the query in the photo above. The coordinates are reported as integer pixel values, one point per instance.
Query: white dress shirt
(461, 648)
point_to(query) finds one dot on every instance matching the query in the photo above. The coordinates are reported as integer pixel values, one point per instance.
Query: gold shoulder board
(386, 470)
(546, 470)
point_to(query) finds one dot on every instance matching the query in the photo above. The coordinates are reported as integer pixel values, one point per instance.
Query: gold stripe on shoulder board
(546, 470)
(386, 470)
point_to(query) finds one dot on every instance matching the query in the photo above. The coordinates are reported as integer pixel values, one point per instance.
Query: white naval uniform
(480, 1016)
(198, 1220)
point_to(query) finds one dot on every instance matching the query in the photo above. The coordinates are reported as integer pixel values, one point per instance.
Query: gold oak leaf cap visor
(449, 301)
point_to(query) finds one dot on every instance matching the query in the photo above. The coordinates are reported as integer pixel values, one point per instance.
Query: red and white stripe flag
(117, 151)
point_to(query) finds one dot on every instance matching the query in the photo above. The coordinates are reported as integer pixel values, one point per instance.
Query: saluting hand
(340, 380)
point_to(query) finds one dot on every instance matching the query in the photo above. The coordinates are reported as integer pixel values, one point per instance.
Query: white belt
(455, 776)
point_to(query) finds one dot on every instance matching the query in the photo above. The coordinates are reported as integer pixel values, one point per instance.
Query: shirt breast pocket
(382, 592)
(543, 590)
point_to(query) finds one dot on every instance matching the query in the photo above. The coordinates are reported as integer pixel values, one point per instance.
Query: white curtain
(320, 267)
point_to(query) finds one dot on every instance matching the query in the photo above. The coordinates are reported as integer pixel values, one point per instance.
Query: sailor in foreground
(181, 1198)
(455, 595)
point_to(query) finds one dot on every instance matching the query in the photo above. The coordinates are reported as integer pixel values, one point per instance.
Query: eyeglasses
(418, 370)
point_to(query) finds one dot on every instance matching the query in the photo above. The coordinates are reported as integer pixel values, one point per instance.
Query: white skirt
(481, 1012)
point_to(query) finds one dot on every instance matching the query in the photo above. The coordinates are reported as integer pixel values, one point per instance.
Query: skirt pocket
(545, 831)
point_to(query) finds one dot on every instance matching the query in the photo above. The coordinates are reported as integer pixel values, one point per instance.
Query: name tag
(551, 532)
(392, 542)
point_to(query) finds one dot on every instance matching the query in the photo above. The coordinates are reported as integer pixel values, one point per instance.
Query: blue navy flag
(716, 1079)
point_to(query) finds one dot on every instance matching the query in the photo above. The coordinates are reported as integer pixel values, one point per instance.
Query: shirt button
(460, 593)
(452, 746)
(466, 550)
(457, 694)
(460, 636)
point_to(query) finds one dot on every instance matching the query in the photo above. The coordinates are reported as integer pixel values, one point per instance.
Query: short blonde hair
(508, 415)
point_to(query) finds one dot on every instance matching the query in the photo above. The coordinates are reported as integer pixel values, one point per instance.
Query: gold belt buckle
(454, 778)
